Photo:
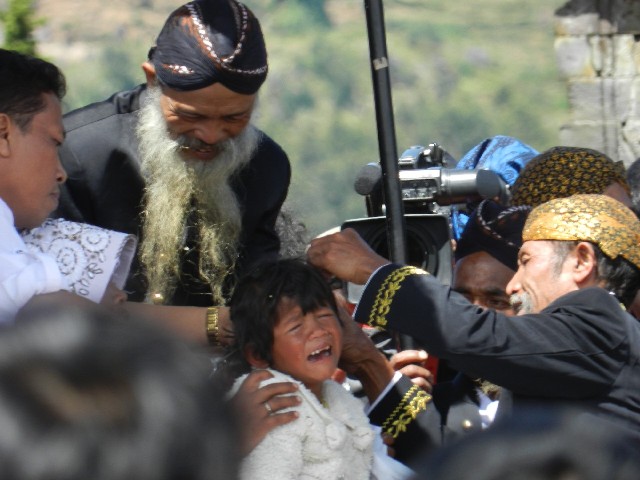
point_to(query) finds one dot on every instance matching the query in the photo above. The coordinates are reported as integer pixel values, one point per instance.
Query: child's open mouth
(320, 354)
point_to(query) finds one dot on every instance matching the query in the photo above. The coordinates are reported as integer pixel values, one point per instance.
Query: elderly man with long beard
(178, 163)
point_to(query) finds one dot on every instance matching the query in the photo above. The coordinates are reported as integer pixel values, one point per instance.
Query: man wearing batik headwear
(572, 340)
(177, 161)
(565, 171)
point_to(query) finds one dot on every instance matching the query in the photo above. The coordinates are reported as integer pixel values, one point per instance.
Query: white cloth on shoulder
(23, 273)
(87, 256)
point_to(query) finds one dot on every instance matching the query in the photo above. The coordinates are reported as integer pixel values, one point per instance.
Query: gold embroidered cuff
(211, 326)
(413, 402)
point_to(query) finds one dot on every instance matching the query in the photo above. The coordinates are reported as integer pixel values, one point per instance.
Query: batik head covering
(506, 156)
(565, 171)
(88, 257)
(495, 229)
(209, 41)
(598, 219)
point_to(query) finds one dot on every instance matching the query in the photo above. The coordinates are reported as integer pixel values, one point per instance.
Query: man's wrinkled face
(200, 119)
(483, 281)
(542, 277)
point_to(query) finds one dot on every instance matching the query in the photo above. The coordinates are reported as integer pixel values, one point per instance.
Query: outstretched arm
(188, 322)
(345, 255)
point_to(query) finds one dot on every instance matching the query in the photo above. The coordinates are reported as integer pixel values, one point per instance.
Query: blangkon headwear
(208, 41)
(598, 219)
(565, 171)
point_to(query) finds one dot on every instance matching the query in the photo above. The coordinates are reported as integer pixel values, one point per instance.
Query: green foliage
(296, 16)
(19, 23)
(460, 72)
(116, 67)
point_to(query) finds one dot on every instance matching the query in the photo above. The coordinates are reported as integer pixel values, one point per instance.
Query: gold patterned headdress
(598, 219)
(565, 171)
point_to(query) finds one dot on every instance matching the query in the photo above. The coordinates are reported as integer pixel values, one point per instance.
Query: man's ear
(150, 73)
(254, 359)
(585, 269)
(6, 127)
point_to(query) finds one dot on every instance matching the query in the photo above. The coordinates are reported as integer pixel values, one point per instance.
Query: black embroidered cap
(208, 41)
(494, 229)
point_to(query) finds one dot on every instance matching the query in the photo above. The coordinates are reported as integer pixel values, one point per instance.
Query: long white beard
(177, 187)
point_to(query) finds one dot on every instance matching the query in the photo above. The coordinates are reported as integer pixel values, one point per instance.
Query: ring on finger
(268, 408)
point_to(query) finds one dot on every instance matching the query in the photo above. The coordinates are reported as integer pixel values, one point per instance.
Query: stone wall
(598, 53)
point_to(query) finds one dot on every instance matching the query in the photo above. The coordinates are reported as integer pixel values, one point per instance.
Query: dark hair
(85, 393)
(254, 303)
(23, 81)
(618, 275)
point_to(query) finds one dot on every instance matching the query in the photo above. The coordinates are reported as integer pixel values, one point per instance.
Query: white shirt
(487, 409)
(23, 273)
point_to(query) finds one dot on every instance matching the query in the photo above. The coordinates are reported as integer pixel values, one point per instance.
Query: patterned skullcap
(208, 41)
(598, 219)
(565, 171)
(495, 229)
(504, 155)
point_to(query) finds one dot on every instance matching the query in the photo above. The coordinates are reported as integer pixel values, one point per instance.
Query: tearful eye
(295, 327)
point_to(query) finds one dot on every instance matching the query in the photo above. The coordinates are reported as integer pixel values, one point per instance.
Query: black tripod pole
(396, 229)
(386, 131)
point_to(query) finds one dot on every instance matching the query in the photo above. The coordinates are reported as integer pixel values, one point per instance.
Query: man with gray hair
(571, 341)
(178, 163)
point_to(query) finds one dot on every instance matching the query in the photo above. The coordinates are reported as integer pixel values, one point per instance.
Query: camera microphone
(368, 179)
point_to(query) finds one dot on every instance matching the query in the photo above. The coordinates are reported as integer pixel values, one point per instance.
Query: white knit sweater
(331, 442)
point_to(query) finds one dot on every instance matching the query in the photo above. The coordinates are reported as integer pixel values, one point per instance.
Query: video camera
(428, 182)
(429, 186)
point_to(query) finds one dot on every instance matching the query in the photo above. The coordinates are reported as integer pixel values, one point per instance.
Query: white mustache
(188, 143)
(521, 303)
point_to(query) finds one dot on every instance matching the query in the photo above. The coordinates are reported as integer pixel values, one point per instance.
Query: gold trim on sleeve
(386, 292)
(413, 402)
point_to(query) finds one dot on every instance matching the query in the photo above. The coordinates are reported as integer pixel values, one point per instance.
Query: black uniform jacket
(583, 349)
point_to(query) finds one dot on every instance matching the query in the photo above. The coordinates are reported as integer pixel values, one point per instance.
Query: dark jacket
(582, 349)
(105, 188)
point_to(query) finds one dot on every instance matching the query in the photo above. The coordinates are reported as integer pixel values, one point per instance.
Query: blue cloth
(506, 156)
